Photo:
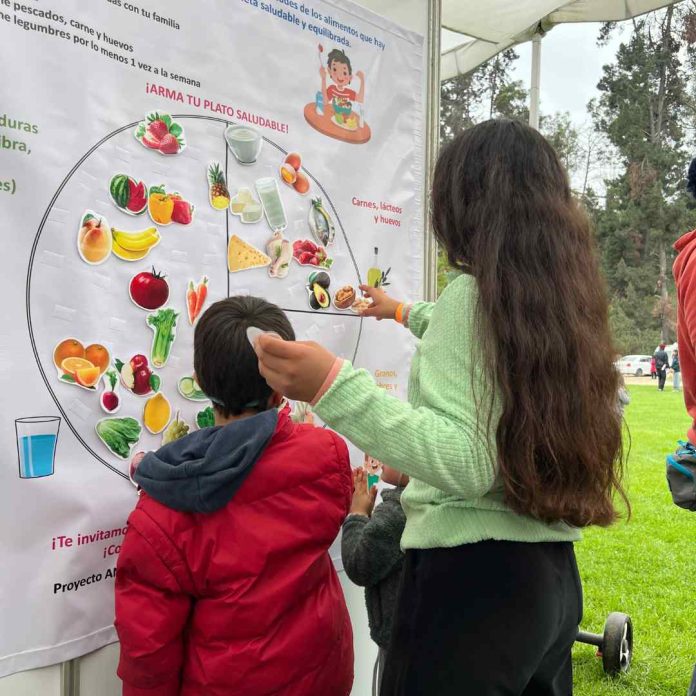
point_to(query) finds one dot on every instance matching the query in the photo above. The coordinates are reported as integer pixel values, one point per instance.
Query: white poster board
(82, 79)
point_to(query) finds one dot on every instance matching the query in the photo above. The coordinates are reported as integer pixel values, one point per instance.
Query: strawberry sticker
(160, 132)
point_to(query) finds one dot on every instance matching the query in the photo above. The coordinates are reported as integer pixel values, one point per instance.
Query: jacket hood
(202, 471)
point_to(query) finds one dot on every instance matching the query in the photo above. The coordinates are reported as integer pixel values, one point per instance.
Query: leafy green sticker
(205, 418)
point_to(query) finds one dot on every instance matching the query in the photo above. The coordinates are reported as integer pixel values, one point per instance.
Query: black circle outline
(52, 202)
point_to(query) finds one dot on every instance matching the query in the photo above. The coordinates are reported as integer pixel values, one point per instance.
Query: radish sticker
(110, 399)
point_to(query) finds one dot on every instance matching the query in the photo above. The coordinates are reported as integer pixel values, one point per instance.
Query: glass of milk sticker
(244, 142)
(36, 445)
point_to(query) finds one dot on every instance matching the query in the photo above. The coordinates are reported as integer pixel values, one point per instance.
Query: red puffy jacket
(233, 592)
(684, 271)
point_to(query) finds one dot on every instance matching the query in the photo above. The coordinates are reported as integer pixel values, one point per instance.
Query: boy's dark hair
(340, 57)
(225, 363)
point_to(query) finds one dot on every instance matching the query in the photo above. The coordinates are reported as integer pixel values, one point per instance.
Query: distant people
(661, 365)
(653, 369)
(623, 396)
(676, 371)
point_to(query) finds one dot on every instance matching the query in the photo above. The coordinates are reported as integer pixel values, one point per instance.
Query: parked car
(637, 365)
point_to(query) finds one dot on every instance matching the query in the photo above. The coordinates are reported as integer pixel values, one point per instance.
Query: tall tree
(642, 111)
(486, 92)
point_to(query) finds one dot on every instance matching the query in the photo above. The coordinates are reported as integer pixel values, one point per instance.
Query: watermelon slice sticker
(128, 194)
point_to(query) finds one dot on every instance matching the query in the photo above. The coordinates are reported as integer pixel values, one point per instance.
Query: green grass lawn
(646, 566)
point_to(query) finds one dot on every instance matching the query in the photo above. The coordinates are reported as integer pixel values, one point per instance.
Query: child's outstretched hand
(363, 499)
(382, 307)
(134, 464)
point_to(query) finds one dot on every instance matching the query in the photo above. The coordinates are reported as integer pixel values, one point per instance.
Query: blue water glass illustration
(36, 445)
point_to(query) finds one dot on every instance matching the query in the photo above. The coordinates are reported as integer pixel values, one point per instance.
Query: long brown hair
(504, 212)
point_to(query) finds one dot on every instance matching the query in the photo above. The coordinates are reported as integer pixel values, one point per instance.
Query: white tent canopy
(486, 28)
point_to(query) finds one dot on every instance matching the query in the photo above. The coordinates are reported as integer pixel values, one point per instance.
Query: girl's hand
(383, 306)
(360, 75)
(363, 500)
(296, 369)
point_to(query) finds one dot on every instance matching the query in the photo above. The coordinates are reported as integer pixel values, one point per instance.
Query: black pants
(661, 376)
(495, 618)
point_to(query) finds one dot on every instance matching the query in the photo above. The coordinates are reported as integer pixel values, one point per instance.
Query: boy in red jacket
(224, 584)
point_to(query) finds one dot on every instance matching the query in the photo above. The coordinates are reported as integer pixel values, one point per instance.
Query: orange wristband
(399, 313)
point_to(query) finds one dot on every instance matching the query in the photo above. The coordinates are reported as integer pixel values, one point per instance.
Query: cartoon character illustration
(338, 109)
(339, 94)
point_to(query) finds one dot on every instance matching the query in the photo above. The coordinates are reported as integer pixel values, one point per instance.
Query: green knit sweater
(454, 496)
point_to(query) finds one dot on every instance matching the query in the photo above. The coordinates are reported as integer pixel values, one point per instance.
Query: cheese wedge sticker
(241, 256)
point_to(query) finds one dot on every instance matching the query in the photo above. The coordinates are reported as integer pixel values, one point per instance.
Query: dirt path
(631, 380)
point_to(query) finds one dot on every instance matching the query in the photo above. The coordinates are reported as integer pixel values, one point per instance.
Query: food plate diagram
(132, 249)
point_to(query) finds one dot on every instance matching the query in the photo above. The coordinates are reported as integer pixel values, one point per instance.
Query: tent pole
(534, 94)
(70, 678)
(432, 145)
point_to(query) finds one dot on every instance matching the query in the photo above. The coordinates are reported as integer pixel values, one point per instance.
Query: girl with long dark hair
(511, 435)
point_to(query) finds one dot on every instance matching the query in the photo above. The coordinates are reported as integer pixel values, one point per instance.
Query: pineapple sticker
(218, 192)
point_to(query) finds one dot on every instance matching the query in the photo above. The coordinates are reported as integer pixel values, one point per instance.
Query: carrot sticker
(195, 298)
(191, 301)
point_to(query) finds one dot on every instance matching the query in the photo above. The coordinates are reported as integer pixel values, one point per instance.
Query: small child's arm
(360, 98)
(151, 613)
(370, 546)
(324, 91)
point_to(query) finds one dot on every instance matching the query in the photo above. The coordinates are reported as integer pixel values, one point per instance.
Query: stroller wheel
(617, 646)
